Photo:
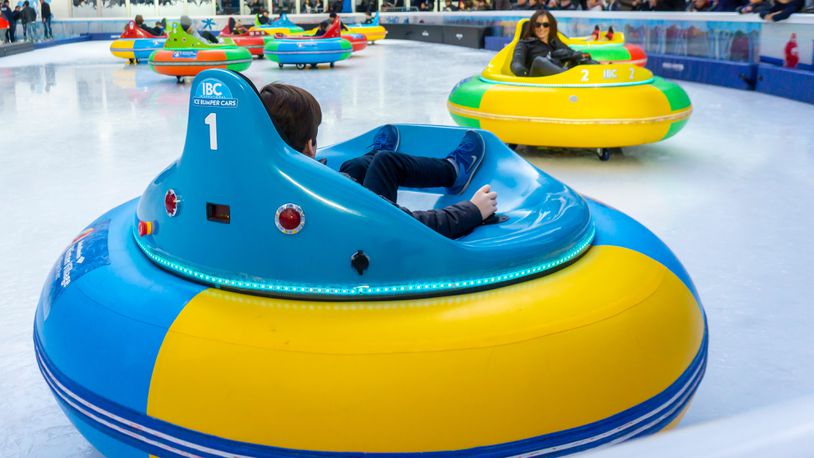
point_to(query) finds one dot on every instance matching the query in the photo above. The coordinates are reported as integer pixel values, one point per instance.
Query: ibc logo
(211, 88)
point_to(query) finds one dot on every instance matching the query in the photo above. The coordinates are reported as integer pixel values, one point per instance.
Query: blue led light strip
(412, 289)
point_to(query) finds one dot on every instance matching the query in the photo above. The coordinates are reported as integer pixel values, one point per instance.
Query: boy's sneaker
(386, 139)
(467, 158)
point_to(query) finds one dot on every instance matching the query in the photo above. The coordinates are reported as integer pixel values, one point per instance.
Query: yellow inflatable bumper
(608, 333)
(372, 33)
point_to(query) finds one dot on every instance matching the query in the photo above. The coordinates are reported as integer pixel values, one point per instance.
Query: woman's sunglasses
(537, 25)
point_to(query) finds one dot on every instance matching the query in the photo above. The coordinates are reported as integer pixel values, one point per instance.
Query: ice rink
(82, 131)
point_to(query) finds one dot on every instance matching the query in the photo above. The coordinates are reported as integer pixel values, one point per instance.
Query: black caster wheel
(260, 56)
(605, 153)
(333, 64)
(300, 66)
(132, 61)
(313, 66)
(512, 146)
(179, 80)
(281, 65)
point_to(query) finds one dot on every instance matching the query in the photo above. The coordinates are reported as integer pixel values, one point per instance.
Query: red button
(290, 219)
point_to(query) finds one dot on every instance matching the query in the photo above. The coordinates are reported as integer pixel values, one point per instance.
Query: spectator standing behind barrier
(561, 5)
(15, 16)
(642, 5)
(12, 24)
(28, 17)
(699, 6)
(782, 9)
(613, 5)
(728, 5)
(754, 6)
(596, 5)
(45, 13)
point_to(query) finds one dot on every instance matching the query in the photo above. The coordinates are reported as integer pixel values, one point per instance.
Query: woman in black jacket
(540, 52)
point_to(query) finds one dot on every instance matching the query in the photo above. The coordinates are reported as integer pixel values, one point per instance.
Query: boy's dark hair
(294, 111)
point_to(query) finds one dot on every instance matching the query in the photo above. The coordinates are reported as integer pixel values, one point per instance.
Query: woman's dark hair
(294, 111)
(139, 20)
(232, 24)
(552, 25)
(324, 25)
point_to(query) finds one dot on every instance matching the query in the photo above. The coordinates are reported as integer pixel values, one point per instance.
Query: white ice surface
(81, 132)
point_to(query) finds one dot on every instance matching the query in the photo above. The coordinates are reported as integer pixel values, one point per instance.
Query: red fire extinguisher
(792, 53)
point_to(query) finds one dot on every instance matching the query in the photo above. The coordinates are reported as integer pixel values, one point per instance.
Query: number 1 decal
(211, 120)
(584, 75)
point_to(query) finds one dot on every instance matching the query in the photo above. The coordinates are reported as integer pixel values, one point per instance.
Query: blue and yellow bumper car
(254, 302)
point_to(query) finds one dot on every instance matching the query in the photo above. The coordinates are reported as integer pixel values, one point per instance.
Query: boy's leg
(356, 168)
(389, 170)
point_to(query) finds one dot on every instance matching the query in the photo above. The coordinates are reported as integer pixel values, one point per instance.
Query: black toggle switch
(360, 262)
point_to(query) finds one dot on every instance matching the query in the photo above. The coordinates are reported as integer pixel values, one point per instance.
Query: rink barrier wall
(785, 82)
(15, 48)
(737, 75)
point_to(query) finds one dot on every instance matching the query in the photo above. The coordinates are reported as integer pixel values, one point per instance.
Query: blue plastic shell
(143, 47)
(308, 50)
(548, 223)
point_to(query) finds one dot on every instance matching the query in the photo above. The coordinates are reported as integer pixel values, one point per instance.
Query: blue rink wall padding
(779, 63)
(64, 41)
(786, 82)
(738, 75)
(496, 43)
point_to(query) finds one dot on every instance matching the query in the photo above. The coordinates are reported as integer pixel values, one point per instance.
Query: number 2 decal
(631, 72)
(211, 120)
(584, 75)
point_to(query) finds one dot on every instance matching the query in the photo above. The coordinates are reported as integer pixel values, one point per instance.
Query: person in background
(12, 24)
(596, 5)
(28, 17)
(335, 17)
(568, 5)
(323, 27)
(698, 6)
(540, 52)
(186, 24)
(754, 6)
(613, 5)
(449, 6)
(520, 5)
(533, 5)
(263, 17)
(15, 16)
(156, 31)
(368, 18)
(642, 5)
(782, 9)
(45, 12)
(234, 28)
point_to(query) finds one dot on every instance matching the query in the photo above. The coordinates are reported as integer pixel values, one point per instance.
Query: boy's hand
(486, 201)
